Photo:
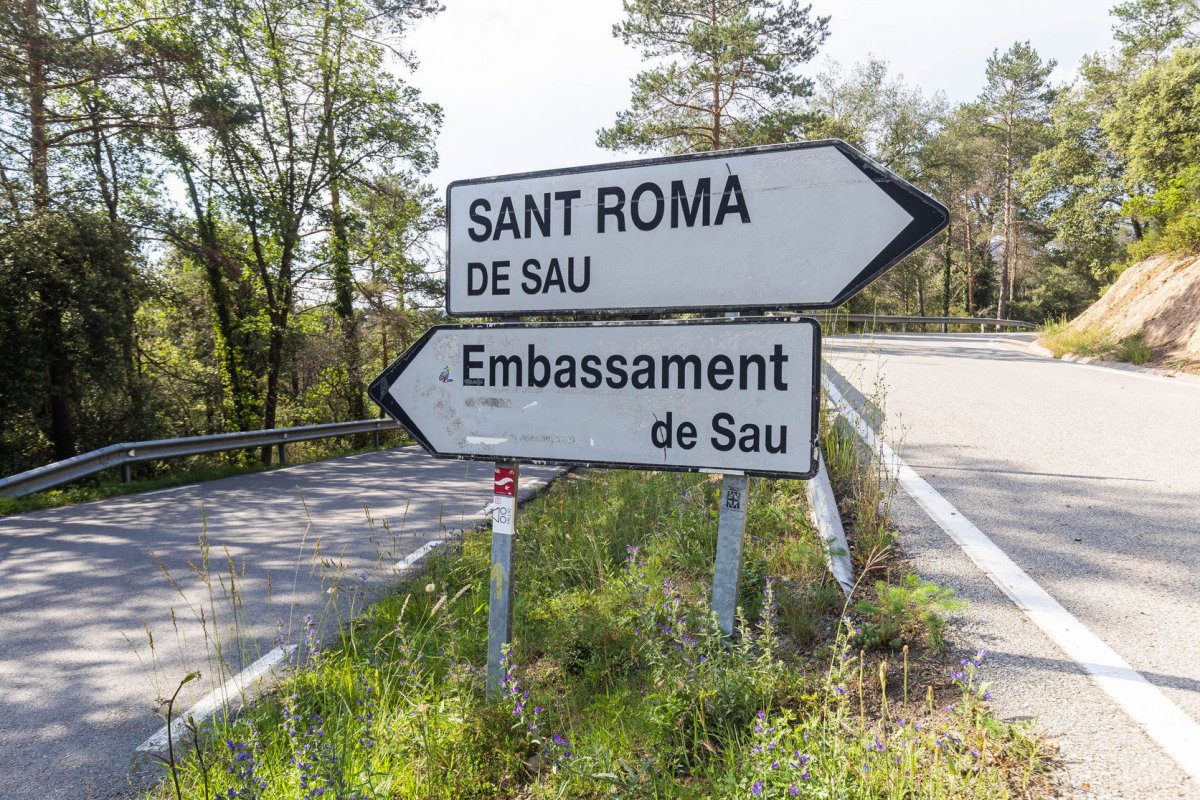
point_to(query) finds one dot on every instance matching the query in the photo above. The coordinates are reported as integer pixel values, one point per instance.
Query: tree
(1147, 29)
(397, 269)
(955, 164)
(1016, 101)
(1154, 126)
(1077, 183)
(876, 112)
(267, 110)
(726, 74)
(63, 156)
(891, 122)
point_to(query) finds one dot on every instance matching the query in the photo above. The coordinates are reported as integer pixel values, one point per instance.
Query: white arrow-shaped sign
(783, 227)
(719, 395)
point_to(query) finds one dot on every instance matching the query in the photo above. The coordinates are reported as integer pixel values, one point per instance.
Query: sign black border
(378, 391)
(929, 217)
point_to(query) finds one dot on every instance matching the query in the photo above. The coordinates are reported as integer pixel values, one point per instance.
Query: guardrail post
(375, 438)
(126, 472)
(282, 454)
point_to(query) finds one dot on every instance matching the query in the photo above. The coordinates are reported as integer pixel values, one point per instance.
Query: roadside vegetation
(618, 683)
(1061, 340)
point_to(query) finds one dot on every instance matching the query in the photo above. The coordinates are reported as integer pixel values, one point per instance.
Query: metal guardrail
(122, 455)
(905, 321)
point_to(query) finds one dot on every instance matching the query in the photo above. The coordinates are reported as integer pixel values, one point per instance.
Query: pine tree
(726, 75)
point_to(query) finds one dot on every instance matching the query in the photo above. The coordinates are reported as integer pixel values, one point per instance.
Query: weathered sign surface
(735, 395)
(784, 227)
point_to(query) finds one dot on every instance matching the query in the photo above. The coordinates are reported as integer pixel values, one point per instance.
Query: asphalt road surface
(1089, 479)
(83, 588)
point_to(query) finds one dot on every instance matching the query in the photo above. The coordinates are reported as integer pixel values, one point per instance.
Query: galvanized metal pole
(731, 531)
(500, 591)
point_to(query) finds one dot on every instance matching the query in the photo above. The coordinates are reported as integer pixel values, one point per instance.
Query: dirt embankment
(1158, 298)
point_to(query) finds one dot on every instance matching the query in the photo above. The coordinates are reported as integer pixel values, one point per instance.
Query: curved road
(1088, 477)
(81, 589)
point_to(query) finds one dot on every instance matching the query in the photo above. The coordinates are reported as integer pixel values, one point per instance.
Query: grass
(179, 472)
(1059, 340)
(618, 683)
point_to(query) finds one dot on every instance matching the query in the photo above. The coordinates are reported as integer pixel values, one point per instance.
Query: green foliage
(221, 304)
(1154, 123)
(1153, 126)
(727, 78)
(1146, 29)
(906, 612)
(877, 113)
(1075, 184)
(65, 373)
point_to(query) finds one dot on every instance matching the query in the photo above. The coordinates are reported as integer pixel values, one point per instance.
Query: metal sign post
(500, 589)
(731, 533)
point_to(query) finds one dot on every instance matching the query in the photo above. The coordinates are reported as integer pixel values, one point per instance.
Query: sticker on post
(504, 500)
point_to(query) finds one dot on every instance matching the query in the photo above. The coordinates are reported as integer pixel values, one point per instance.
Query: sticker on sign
(698, 395)
(794, 226)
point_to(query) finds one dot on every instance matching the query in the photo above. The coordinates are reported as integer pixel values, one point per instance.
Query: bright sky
(525, 84)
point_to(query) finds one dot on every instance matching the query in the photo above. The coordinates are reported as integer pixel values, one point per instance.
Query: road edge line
(265, 667)
(1168, 725)
(231, 693)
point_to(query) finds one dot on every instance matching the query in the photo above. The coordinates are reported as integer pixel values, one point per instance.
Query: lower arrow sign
(724, 395)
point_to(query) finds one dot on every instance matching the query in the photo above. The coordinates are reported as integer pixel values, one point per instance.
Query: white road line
(234, 690)
(412, 558)
(1176, 732)
(1180, 381)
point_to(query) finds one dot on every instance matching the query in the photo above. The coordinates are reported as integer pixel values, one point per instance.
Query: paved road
(1089, 479)
(80, 587)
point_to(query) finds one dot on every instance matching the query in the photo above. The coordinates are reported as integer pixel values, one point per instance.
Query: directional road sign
(784, 227)
(733, 395)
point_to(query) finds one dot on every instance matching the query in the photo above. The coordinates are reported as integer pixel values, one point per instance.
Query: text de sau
(611, 210)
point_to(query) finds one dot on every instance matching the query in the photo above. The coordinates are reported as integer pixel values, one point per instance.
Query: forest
(215, 215)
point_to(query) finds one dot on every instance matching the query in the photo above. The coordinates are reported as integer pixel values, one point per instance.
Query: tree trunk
(1006, 264)
(716, 87)
(39, 169)
(59, 378)
(58, 359)
(343, 280)
(213, 261)
(970, 249)
(274, 367)
(946, 270)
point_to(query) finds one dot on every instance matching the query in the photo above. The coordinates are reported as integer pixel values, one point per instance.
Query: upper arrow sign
(793, 226)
